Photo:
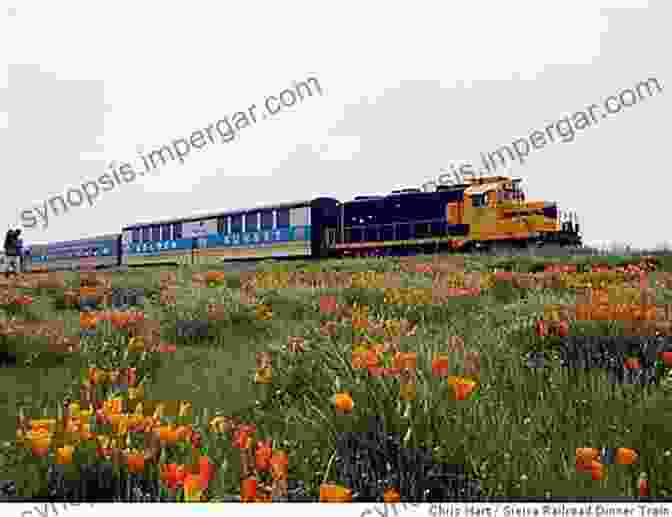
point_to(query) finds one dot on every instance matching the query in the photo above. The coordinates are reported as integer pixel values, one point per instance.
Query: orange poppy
(40, 442)
(359, 360)
(331, 493)
(172, 475)
(279, 465)
(343, 402)
(440, 366)
(248, 490)
(360, 323)
(462, 387)
(136, 463)
(113, 406)
(167, 434)
(263, 456)
(215, 276)
(206, 470)
(372, 358)
(43, 425)
(586, 455)
(626, 456)
(87, 320)
(405, 360)
(193, 488)
(64, 455)
(594, 467)
(597, 471)
(391, 495)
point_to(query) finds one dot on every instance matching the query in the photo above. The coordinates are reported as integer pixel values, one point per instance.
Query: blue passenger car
(282, 230)
(96, 252)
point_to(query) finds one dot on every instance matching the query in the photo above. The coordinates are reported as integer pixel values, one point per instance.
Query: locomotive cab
(495, 208)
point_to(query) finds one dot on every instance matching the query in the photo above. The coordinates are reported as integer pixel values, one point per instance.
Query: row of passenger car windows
(166, 232)
(87, 252)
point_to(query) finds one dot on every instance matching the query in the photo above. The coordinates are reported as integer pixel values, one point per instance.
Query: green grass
(518, 439)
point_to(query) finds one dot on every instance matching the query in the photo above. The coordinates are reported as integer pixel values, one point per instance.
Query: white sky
(408, 88)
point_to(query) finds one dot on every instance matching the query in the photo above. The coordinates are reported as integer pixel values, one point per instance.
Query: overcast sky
(407, 88)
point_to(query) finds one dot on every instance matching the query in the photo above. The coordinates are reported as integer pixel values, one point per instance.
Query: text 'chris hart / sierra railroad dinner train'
(478, 213)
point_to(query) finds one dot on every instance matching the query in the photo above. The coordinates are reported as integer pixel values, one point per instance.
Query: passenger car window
(252, 222)
(283, 218)
(267, 220)
(237, 223)
(165, 232)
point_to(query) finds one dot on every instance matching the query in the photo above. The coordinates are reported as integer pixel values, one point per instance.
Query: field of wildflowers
(408, 379)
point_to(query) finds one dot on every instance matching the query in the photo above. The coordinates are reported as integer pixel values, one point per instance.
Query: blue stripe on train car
(263, 237)
(145, 248)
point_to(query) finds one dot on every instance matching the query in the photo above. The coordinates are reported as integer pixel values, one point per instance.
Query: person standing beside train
(11, 252)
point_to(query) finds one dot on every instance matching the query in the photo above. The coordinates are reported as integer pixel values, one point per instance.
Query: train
(477, 214)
